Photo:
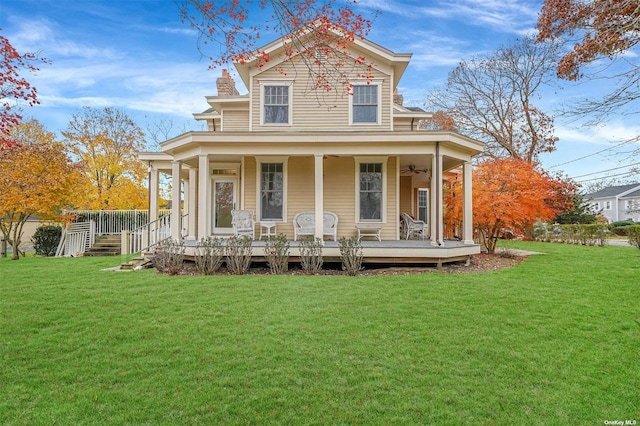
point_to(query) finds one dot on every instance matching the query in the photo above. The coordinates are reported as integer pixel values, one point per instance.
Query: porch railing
(113, 222)
(150, 234)
(76, 238)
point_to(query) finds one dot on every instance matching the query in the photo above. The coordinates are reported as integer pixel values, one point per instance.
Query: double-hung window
(370, 194)
(423, 205)
(276, 104)
(271, 191)
(365, 104)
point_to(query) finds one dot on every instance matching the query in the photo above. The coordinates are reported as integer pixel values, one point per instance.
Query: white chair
(412, 227)
(243, 223)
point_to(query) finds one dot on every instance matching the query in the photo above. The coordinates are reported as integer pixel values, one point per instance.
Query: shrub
(239, 254)
(46, 239)
(168, 257)
(351, 255)
(634, 235)
(209, 253)
(276, 251)
(311, 255)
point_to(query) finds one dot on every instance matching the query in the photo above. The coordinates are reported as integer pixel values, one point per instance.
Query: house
(277, 151)
(616, 203)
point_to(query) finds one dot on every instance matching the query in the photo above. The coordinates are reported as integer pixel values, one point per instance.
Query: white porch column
(437, 217)
(154, 183)
(433, 202)
(467, 215)
(192, 204)
(204, 197)
(175, 200)
(319, 194)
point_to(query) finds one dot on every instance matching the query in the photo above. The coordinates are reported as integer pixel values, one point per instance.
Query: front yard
(554, 340)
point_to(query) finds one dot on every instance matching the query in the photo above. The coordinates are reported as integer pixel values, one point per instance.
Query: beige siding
(235, 121)
(389, 229)
(405, 194)
(318, 110)
(340, 192)
(249, 184)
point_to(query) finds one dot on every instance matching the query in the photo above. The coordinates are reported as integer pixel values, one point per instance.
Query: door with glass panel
(224, 200)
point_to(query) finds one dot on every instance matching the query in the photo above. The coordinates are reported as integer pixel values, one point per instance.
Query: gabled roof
(633, 194)
(614, 191)
(379, 54)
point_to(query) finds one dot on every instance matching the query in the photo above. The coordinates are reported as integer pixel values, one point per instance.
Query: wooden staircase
(105, 245)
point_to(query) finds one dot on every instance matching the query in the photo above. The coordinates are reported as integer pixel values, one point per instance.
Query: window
(628, 204)
(271, 191)
(595, 207)
(370, 194)
(607, 205)
(365, 104)
(423, 205)
(276, 104)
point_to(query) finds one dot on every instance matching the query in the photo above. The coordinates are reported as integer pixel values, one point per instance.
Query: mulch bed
(479, 263)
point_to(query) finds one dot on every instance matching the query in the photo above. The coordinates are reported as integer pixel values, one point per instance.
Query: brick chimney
(397, 99)
(226, 86)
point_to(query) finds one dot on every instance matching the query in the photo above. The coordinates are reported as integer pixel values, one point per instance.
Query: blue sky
(136, 55)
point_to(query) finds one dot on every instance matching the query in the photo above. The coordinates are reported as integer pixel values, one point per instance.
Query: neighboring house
(276, 151)
(616, 203)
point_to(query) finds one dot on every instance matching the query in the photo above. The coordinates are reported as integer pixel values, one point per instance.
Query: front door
(224, 200)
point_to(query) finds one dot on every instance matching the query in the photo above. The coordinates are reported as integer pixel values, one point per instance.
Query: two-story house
(276, 151)
(616, 203)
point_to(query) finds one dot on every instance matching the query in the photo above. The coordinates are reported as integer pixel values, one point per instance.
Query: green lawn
(555, 340)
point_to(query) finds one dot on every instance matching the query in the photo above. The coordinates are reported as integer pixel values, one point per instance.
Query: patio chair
(413, 228)
(243, 223)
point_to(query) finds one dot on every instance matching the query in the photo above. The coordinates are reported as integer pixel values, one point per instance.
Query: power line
(590, 155)
(607, 177)
(608, 170)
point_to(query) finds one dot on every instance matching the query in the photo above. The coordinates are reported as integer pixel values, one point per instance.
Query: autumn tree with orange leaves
(602, 39)
(317, 34)
(106, 142)
(14, 88)
(509, 194)
(37, 178)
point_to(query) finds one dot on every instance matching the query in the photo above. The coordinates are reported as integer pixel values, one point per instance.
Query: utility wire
(608, 170)
(607, 177)
(590, 155)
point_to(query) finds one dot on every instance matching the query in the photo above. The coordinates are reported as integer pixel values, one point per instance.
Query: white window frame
(280, 83)
(608, 205)
(374, 82)
(628, 204)
(285, 173)
(426, 219)
(595, 206)
(383, 207)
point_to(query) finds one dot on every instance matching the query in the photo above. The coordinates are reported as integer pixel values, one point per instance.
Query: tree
(597, 33)
(580, 213)
(106, 142)
(492, 99)
(12, 86)
(318, 33)
(37, 177)
(510, 195)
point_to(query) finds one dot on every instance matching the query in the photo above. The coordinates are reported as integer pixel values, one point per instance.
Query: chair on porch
(412, 228)
(243, 223)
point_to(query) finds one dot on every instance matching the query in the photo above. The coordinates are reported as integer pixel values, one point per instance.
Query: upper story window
(275, 101)
(365, 104)
(607, 205)
(628, 204)
(595, 207)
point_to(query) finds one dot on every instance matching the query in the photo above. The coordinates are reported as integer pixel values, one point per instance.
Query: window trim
(608, 205)
(374, 82)
(425, 190)
(383, 208)
(284, 160)
(281, 83)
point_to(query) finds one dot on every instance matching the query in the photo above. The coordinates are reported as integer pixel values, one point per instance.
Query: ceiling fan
(412, 169)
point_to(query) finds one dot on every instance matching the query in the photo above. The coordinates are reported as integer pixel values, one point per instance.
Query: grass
(555, 340)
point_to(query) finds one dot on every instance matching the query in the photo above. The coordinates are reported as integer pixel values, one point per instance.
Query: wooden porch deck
(386, 251)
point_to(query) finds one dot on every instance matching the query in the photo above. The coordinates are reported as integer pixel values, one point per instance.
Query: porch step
(135, 263)
(105, 245)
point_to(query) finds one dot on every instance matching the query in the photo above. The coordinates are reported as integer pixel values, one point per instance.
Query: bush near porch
(553, 340)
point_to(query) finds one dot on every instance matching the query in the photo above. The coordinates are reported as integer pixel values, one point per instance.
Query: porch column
(437, 219)
(192, 203)
(175, 200)
(154, 183)
(467, 215)
(204, 197)
(319, 194)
